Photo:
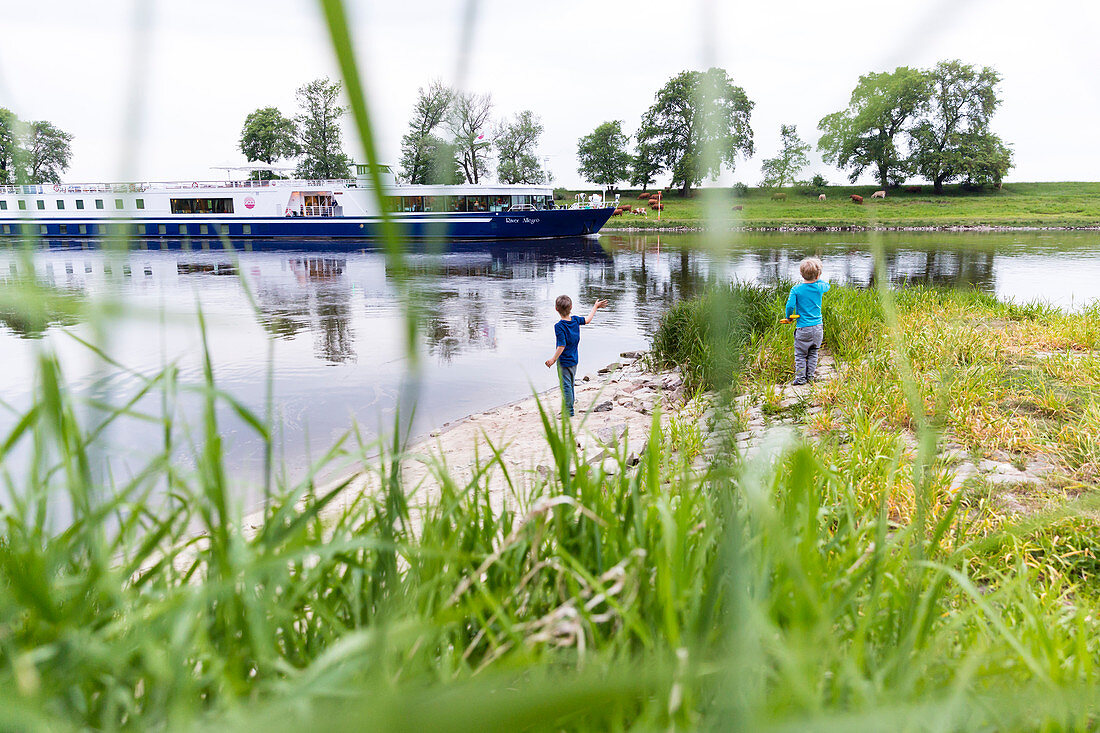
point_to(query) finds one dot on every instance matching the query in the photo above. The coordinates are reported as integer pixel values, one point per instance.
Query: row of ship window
(119, 204)
(124, 229)
(468, 203)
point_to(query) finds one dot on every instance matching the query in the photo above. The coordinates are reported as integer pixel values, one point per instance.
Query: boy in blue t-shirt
(568, 334)
(805, 300)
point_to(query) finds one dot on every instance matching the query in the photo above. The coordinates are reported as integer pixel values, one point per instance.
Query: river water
(332, 319)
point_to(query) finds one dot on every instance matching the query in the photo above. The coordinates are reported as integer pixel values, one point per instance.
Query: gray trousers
(807, 341)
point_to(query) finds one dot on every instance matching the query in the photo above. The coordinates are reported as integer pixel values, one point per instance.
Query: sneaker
(798, 383)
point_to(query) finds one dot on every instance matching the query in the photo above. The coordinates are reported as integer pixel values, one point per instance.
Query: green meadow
(1015, 205)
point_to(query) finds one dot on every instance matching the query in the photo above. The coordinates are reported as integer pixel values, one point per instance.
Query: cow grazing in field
(878, 195)
(657, 206)
(738, 207)
(857, 199)
(821, 197)
(643, 196)
(779, 196)
(617, 212)
(912, 189)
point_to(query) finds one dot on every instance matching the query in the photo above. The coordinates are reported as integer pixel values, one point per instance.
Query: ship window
(83, 228)
(62, 229)
(477, 203)
(41, 204)
(246, 229)
(499, 203)
(42, 228)
(22, 205)
(183, 229)
(118, 203)
(202, 206)
(7, 229)
(203, 229)
(412, 203)
(433, 203)
(80, 203)
(3, 205)
(141, 203)
(225, 229)
(162, 229)
(99, 203)
(61, 203)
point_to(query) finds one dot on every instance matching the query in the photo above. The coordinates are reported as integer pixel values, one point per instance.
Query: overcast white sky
(200, 66)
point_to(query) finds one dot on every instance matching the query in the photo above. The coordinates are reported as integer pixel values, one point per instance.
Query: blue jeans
(566, 375)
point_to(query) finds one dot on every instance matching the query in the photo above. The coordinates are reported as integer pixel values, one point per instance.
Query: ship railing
(46, 188)
(318, 210)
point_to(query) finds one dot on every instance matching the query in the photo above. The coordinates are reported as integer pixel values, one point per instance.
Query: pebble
(603, 407)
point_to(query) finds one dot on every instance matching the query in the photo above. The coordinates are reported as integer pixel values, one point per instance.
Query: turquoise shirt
(805, 300)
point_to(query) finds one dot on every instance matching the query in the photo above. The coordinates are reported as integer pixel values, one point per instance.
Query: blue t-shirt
(805, 300)
(568, 334)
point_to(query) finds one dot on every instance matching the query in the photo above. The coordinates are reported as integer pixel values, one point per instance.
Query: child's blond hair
(810, 268)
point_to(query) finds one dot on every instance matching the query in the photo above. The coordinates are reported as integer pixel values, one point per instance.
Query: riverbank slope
(1020, 205)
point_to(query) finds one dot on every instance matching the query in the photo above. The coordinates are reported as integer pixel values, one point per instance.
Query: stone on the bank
(611, 433)
(603, 407)
(962, 474)
(613, 366)
(631, 354)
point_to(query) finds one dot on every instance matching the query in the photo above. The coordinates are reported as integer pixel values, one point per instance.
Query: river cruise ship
(298, 209)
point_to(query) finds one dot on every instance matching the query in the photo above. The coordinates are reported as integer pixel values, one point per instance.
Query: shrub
(740, 190)
(818, 181)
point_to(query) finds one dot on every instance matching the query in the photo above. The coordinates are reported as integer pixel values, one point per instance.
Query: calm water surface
(486, 318)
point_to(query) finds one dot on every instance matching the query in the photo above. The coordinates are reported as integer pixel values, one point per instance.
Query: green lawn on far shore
(1015, 205)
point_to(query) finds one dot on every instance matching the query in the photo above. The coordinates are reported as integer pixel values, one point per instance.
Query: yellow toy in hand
(792, 319)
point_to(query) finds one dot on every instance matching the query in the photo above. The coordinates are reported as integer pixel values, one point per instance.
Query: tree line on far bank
(312, 137)
(452, 137)
(32, 152)
(933, 123)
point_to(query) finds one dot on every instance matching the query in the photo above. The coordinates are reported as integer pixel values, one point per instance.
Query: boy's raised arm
(595, 307)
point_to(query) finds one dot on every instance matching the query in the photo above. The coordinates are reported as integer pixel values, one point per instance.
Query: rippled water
(486, 316)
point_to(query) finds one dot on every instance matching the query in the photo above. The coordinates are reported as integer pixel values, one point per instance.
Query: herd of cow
(654, 200)
(655, 203)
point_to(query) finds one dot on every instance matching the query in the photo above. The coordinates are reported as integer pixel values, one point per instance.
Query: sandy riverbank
(614, 412)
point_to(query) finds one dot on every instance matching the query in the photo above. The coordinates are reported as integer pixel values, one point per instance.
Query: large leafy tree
(516, 143)
(10, 153)
(602, 155)
(783, 169)
(952, 137)
(984, 159)
(48, 151)
(268, 136)
(644, 165)
(469, 122)
(866, 133)
(319, 135)
(697, 125)
(421, 146)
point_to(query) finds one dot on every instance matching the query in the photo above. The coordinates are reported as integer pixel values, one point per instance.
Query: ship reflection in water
(484, 313)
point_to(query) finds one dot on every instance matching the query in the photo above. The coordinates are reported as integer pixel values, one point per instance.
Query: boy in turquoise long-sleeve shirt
(805, 301)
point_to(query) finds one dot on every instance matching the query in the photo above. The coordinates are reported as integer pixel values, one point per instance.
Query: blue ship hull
(455, 226)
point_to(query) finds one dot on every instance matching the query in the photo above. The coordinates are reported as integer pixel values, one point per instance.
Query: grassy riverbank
(1016, 205)
(838, 583)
